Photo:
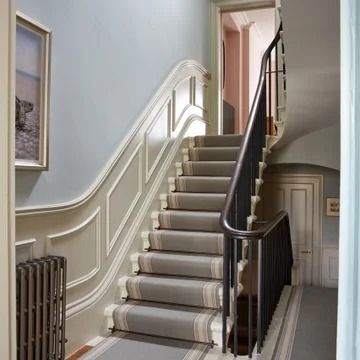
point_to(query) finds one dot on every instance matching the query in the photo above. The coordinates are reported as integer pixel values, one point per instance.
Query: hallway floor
(309, 330)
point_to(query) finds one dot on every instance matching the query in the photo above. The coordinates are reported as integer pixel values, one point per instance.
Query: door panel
(299, 197)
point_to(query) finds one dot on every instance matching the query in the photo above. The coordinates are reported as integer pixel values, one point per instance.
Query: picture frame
(33, 61)
(333, 207)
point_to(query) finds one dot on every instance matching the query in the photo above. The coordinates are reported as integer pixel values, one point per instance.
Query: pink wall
(236, 90)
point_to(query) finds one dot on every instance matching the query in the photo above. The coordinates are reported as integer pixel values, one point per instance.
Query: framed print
(332, 207)
(33, 46)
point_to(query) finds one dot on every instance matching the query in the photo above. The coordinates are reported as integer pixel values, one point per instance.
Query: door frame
(7, 180)
(216, 61)
(317, 183)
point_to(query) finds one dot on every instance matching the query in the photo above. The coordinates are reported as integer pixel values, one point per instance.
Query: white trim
(176, 120)
(94, 216)
(27, 242)
(110, 243)
(7, 180)
(186, 66)
(121, 255)
(150, 171)
(330, 264)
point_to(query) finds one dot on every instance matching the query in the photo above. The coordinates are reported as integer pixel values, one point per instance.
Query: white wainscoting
(157, 138)
(97, 231)
(330, 266)
(182, 99)
(24, 250)
(123, 197)
(72, 242)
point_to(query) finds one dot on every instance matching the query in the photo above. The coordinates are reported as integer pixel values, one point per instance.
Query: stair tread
(175, 290)
(196, 201)
(174, 321)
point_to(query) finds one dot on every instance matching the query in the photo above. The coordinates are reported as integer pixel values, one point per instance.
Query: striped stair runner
(178, 291)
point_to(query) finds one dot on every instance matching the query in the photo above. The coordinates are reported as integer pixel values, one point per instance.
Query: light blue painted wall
(108, 59)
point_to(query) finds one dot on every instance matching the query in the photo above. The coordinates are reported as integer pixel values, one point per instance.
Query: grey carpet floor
(122, 346)
(315, 335)
(309, 327)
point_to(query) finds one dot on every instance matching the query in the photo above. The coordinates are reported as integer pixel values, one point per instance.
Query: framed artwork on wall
(33, 49)
(333, 207)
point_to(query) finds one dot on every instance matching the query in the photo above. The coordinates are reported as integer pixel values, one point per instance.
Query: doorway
(245, 37)
(301, 197)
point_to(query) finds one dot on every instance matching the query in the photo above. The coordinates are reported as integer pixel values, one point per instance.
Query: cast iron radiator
(40, 309)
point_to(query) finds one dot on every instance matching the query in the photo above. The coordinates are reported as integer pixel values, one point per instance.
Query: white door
(300, 196)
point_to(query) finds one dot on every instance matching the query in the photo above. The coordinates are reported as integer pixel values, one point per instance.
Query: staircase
(209, 269)
(177, 292)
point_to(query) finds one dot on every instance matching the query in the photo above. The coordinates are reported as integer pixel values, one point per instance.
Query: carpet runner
(122, 346)
(178, 290)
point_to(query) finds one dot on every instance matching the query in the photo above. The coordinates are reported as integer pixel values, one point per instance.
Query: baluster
(259, 298)
(250, 296)
(235, 276)
(226, 290)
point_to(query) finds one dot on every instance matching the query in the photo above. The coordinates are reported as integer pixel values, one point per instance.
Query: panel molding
(110, 243)
(150, 169)
(330, 266)
(94, 217)
(205, 97)
(27, 244)
(176, 119)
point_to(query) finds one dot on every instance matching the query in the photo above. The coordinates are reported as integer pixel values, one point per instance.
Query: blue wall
(108, 60)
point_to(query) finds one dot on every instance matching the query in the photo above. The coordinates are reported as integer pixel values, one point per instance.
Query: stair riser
(184, 266)
(194, 185)
(185, 242)
(202, 168)
(195, 202)
(175, 291)
(192, 223)
(218, 141)
(213, 154)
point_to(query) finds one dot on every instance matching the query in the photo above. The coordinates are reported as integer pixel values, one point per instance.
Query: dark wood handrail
(225, 214)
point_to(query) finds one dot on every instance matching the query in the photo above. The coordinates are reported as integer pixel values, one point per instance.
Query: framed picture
(33, 46)
(332, 207)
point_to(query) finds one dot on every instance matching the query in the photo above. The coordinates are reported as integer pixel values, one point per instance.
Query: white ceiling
(263, 21)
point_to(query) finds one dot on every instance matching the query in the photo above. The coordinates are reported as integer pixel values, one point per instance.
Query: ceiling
(262, 20)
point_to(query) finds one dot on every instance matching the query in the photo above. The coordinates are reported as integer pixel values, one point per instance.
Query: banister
(267, 227)
(224, 218)
(273, 238)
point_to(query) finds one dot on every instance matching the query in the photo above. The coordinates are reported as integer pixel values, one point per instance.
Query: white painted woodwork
(99, 231)
(7, 180)
(300, 196)
(72, 242)
(123, 197)
(330, 266)
(24, 250)
(182, 99)
(157, 138)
